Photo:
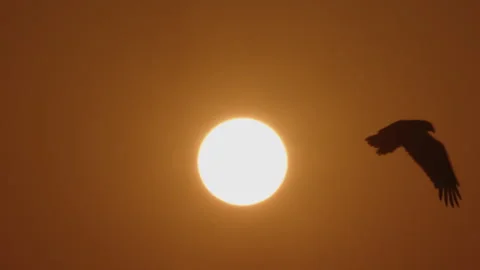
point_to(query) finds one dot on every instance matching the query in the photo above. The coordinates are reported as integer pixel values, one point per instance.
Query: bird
(415, 136)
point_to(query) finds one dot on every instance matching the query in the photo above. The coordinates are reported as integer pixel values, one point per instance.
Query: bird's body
(429, 153)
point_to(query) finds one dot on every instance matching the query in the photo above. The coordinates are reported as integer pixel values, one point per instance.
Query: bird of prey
(429, 153)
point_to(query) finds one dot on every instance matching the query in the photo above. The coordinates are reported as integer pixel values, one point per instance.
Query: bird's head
(427, 126)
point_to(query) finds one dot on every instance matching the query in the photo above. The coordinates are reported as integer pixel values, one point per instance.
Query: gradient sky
(105, 104)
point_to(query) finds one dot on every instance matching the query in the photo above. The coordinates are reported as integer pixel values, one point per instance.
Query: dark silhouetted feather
(429, 153)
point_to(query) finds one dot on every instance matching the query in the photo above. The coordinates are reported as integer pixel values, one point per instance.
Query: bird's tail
(373, 140)
(383, 144)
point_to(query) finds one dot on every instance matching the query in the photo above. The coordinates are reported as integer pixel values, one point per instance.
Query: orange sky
(105, 105)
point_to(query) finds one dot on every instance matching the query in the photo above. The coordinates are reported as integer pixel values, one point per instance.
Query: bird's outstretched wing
(431, 155)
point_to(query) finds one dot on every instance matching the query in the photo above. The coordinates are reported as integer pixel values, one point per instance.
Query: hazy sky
(105, 103)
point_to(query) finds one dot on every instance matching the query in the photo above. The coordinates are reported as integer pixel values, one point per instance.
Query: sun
(242, 161)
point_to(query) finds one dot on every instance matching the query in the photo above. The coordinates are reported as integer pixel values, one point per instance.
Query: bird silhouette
(429, 153)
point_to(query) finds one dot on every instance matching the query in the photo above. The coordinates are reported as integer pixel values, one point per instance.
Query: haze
(105, 103)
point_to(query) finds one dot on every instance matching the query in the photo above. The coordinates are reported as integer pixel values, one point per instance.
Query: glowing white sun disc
(242, 161)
